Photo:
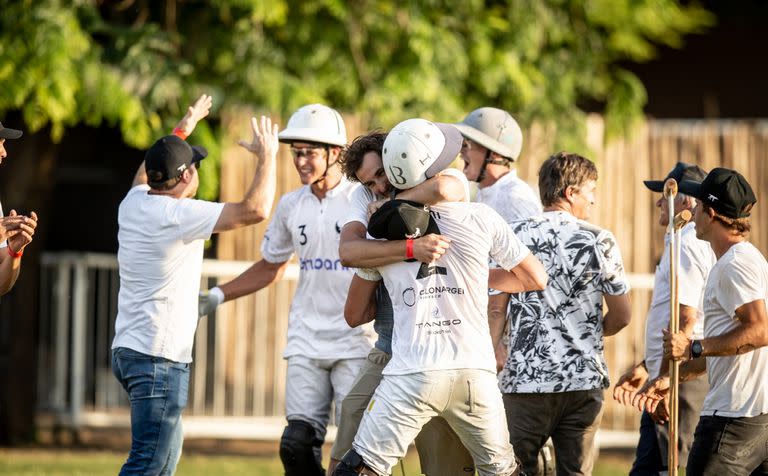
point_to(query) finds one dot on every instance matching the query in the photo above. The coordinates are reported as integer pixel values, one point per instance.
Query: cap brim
(691, 188)
(6, 133)
(450, 151)
(198, 153)
(654, 185)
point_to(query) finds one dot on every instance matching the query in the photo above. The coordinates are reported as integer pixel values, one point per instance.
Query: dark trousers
(653, 448)
(571, 419)
(730, 446)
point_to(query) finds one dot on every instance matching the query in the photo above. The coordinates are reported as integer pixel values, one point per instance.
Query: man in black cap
(16, 231)
(732, 434)
(696, 259)
(162, 229)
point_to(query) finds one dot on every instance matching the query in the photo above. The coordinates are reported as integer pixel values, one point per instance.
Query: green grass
(52, 462)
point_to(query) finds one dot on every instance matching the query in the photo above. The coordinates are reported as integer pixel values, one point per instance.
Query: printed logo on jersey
(426, 270)
(409, 297)
(438, 325)
(322, 264)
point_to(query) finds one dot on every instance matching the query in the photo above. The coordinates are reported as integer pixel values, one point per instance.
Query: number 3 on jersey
(302, 235)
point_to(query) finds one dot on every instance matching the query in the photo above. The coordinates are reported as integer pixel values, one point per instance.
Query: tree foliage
(136, 64)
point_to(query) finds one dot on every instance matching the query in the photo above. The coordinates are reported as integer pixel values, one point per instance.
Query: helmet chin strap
(327, 165)
(489, 160)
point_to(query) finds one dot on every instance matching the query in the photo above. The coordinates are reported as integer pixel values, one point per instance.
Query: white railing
(237, 382)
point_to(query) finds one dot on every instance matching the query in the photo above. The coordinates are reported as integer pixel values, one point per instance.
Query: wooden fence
(624, 206)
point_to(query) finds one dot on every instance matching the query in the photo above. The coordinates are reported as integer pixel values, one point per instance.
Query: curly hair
(352, 158)
(563, 170)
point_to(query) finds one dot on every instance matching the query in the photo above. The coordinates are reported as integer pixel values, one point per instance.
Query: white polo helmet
(315, 123)
(495, 129)
(417, 149)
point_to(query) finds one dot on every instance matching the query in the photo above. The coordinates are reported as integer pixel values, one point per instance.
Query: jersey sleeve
(196, 218)
(358, 206)
(613, 278)
(506, 248)
(277, 245)
(740, 284)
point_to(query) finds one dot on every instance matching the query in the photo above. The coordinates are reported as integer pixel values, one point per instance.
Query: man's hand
(264, 143)
(24, 232)
(208, 301)
(11, 225)
(430, 248)
(502, 353)
(661, 414)
(630, 383)
(676, 346)
(195, 112)
(651, 394)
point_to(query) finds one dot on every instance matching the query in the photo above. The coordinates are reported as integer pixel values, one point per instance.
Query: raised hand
(264, 143)
(430, 248)
(200, 109)
(25, 231)
(629, 384)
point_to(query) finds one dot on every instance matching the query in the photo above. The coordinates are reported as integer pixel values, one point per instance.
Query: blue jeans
(157, 389)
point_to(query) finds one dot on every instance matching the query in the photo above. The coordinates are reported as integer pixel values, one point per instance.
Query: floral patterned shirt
(556, 335)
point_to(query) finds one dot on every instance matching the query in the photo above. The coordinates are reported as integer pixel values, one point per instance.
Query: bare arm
(361, 302)
(357, 251)
(619, 313)
(257, 203)
(497, 316)
(186, 125)
(528, 275)
(18, 230)
(750, 334)
(440, 188)
(260, 275)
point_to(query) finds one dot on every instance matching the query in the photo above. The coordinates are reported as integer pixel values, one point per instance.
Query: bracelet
(180, 133)
(15, 254)
(409, 248)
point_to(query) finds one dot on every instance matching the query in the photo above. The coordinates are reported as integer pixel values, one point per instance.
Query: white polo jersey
(738, 384)
(511, 198)
(441, 319)
(696, 260)
(160, 257)
(310, 227)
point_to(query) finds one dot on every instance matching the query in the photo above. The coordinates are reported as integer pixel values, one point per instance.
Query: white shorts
(311, 386)
(468, 399)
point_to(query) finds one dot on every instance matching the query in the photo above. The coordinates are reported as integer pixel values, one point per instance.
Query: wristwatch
(696, 349)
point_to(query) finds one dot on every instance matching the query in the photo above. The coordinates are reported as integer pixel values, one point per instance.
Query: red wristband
(180, 133)
(409, 248)
(14, 254)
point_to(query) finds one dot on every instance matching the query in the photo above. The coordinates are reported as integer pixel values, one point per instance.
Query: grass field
(51, 462)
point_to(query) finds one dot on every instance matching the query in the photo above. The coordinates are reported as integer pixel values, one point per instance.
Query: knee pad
(352, 464)
(299, 450)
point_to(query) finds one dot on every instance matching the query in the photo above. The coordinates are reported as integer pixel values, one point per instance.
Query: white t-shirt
(310, 227)
(441, 315)
(556, 335)
(160, 257)
(696, 259)
(738, 383)
(511, 197)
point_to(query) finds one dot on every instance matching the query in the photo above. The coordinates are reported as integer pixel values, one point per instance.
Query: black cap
(169, 157)
(682, 171)
(401, 219)
(724, 190)
(6, 133)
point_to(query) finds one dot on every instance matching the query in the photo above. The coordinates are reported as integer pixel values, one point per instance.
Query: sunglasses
(306, 151)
